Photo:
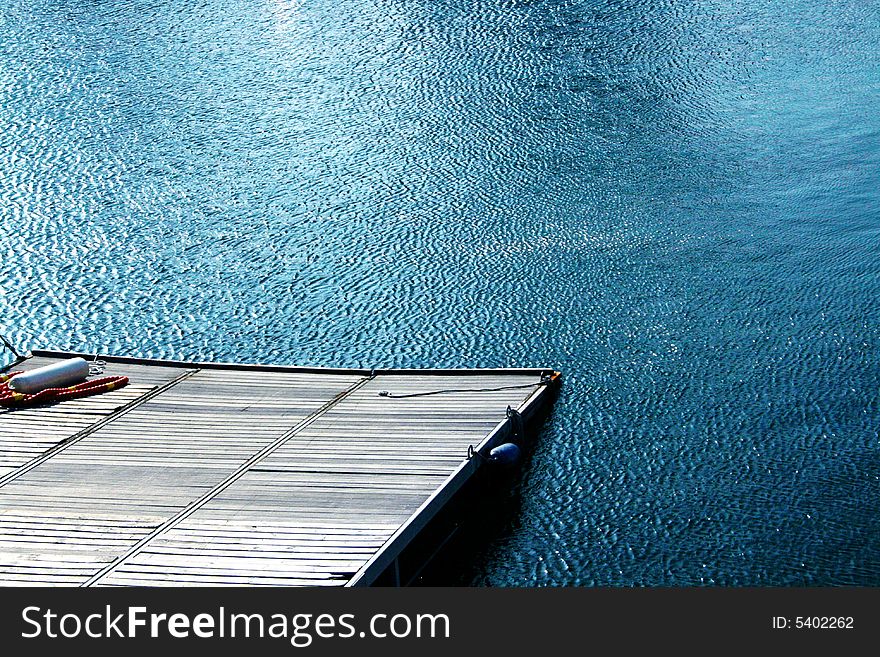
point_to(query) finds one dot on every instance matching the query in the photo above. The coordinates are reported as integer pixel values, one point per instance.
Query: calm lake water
(675, 203)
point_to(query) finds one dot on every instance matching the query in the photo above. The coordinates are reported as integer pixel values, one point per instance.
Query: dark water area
(677, 204)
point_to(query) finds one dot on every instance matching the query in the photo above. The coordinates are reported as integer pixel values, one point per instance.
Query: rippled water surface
(675, 203)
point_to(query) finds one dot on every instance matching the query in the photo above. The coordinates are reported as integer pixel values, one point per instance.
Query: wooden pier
(206, 474)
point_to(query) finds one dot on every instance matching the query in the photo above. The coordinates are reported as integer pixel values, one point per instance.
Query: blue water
(675, 203)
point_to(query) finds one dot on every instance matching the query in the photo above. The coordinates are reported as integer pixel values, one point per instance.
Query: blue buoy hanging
(505, 454)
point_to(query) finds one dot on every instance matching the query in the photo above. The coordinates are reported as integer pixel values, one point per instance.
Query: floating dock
(206, 474)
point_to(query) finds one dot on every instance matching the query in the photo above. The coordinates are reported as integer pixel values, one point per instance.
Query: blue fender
(505, 454)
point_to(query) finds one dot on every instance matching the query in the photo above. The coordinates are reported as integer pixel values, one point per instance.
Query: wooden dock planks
(133, 474)
(242, 476)
(26, 434)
